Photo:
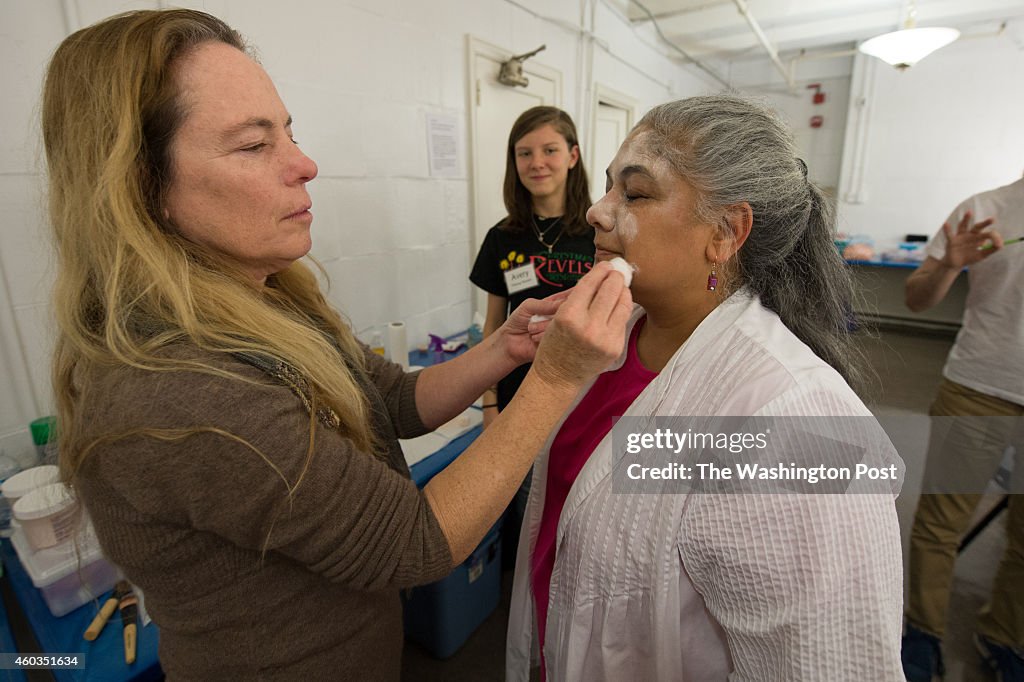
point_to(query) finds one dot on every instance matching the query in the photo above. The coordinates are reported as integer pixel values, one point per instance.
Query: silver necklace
(540, 235)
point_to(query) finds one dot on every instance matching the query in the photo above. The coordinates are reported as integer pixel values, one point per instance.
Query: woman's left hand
(519, 336)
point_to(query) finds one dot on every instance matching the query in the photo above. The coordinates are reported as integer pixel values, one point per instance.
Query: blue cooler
(441, 616)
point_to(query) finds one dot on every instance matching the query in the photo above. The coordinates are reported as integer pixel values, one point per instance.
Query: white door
(613, 115)
(610, 128)
(495, 107)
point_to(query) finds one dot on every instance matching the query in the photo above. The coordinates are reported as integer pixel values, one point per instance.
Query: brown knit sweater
(244, 583)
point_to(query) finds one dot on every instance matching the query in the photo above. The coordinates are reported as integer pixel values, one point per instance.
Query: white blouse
(718, 586)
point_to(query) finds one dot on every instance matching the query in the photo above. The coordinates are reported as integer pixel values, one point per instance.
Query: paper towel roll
(398, 345)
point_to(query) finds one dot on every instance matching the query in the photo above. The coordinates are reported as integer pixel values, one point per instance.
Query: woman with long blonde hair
(234, 444)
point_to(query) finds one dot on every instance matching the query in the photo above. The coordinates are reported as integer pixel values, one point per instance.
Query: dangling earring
(712, 279)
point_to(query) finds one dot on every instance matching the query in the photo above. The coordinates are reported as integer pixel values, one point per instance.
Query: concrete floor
(908, 368)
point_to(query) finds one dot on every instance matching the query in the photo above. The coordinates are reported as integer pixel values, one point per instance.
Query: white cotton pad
(625, 268)
(620, 264)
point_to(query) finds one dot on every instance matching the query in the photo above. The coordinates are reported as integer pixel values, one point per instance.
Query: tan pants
(970, 451)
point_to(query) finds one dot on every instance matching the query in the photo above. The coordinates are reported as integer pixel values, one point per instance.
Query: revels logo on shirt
(559, 269)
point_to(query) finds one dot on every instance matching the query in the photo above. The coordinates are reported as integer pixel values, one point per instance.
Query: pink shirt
(589, 423)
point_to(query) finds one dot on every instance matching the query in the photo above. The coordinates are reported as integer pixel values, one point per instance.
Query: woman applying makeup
(234, 444)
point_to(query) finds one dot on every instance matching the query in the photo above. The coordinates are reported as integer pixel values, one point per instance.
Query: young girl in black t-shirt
(544, 244)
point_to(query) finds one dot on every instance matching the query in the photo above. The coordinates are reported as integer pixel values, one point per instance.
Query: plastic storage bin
(70, 574)
(441, 616)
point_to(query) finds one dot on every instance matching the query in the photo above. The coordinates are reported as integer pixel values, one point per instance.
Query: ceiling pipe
(676, 13)
(693, 60)
(741, 5)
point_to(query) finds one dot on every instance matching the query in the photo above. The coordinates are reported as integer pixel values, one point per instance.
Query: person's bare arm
(929, 284)
(497, 311)
(966, 245)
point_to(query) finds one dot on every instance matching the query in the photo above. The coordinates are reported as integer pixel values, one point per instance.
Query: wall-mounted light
(512, 70)
(909, 45)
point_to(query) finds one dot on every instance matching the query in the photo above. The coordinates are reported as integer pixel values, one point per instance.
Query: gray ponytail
(733, 150)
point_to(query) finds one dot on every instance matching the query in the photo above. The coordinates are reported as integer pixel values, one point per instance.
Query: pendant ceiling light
(906, 47)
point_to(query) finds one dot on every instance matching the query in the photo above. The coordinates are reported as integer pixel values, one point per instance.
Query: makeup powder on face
(627, 228)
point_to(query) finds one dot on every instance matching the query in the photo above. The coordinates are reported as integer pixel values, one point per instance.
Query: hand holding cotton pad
(620, 264)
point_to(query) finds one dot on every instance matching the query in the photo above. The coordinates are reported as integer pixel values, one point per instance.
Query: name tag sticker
(521, 278)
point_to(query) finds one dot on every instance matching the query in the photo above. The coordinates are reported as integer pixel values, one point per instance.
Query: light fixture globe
(907, 47)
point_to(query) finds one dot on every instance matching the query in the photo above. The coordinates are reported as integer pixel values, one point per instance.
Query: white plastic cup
(21, 484)
(48, 515)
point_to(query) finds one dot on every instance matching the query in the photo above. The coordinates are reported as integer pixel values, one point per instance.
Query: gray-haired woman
(741, 312)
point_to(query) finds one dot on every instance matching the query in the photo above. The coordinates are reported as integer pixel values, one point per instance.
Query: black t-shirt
(569, 259)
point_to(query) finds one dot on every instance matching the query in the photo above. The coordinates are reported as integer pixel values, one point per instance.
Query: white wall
(28, 33)
(359, 77)
(945, 129)
(821, 148)
(936, 133)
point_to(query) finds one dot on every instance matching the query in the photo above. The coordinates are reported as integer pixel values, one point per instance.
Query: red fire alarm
(817, 121)
(819, 96)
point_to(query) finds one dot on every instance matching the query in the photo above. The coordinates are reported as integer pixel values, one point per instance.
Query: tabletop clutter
(44, 440)
(860, 247)
(56, 544)
(55, 541)
(122, 599)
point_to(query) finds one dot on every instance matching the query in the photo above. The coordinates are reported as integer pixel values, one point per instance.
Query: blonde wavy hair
(128, 285)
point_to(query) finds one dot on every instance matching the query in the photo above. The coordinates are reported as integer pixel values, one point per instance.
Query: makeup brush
(109, 606)
(129, 606)
(989, 245)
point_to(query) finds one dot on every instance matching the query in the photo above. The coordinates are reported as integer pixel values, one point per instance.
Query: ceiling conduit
(686, 55)
(741, 5)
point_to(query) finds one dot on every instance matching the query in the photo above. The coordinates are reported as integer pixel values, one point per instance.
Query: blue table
(425, 469)
(909, 265)
(881, 285)
(104, 656)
